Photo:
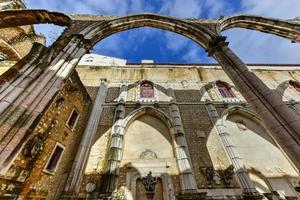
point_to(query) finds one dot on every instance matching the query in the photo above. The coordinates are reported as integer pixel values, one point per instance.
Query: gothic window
(225, 90)
(295, 85)
(146, 90)
(55, 157)
(73, 118)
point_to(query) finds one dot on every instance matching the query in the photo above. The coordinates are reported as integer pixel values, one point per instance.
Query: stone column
(187, 178)
(26, 98)
(76, 174)
(281, 121)
(230, 148)
(116, 145)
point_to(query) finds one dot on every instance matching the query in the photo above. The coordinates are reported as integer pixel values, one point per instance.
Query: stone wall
(205, 146)
(27, 177)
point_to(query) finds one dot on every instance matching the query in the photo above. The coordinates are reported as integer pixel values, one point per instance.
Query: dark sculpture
(34, 146)
(149, 183)
(227, 175)
(209, 175)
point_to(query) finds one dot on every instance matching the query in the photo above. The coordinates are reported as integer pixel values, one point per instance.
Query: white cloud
(256, 47)
(193, 54)
(253, 46)
(216, 8)
(175, 42)
(182, 9)
(273, 8)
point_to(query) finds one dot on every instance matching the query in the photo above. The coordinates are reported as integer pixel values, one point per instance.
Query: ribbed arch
(100, 30)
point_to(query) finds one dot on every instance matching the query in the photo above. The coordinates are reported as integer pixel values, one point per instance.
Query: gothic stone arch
(24, 96)
(237, 159)
(116, 148)
(287, 29)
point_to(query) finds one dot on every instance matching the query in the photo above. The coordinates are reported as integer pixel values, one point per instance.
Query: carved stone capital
(215, 44)
(85, 43)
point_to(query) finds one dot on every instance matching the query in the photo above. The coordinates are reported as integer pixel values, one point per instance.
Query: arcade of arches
(144, 130)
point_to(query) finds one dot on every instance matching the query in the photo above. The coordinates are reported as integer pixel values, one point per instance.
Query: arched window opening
(225, 90)
(295, 85)
(146, 90)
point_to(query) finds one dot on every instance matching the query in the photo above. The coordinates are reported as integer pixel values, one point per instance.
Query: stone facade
(194, 92)
(188, 137)
(27, 177)
(162, 131)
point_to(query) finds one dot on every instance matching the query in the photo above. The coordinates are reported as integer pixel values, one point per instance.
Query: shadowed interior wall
(267, 165)
(148, 146)
(144, 133)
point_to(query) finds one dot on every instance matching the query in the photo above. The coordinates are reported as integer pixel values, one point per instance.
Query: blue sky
(162, 46)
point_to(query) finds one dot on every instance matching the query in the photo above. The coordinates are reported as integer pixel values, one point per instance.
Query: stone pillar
(26, 98)
(241, 172)
(116, 145)
(281, 121)
(187, 178)
(76, 174)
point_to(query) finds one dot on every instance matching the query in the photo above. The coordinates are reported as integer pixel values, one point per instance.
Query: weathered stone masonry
(31, 86)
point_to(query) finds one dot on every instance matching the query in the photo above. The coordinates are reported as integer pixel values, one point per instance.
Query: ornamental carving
(90, 187)
(227, 175)
(33, 147)
(148, 155)
(212, 176)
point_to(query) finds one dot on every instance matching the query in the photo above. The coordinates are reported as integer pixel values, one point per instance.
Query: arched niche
(146, 138)
(268, 167)
(148, 145)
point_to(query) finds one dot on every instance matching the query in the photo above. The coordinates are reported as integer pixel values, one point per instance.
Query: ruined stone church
(78, 125)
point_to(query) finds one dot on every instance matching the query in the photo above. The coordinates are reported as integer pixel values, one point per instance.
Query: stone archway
(245, 133)
(25, 97)
(116, 149)
(288, 29)
(143, 153)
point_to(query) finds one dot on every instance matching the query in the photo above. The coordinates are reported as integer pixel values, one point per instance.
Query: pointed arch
(288, 29)
(100, 30)
(150, 111)
(118, 134)
(220, 90)
(247, 134)
(240, 110)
